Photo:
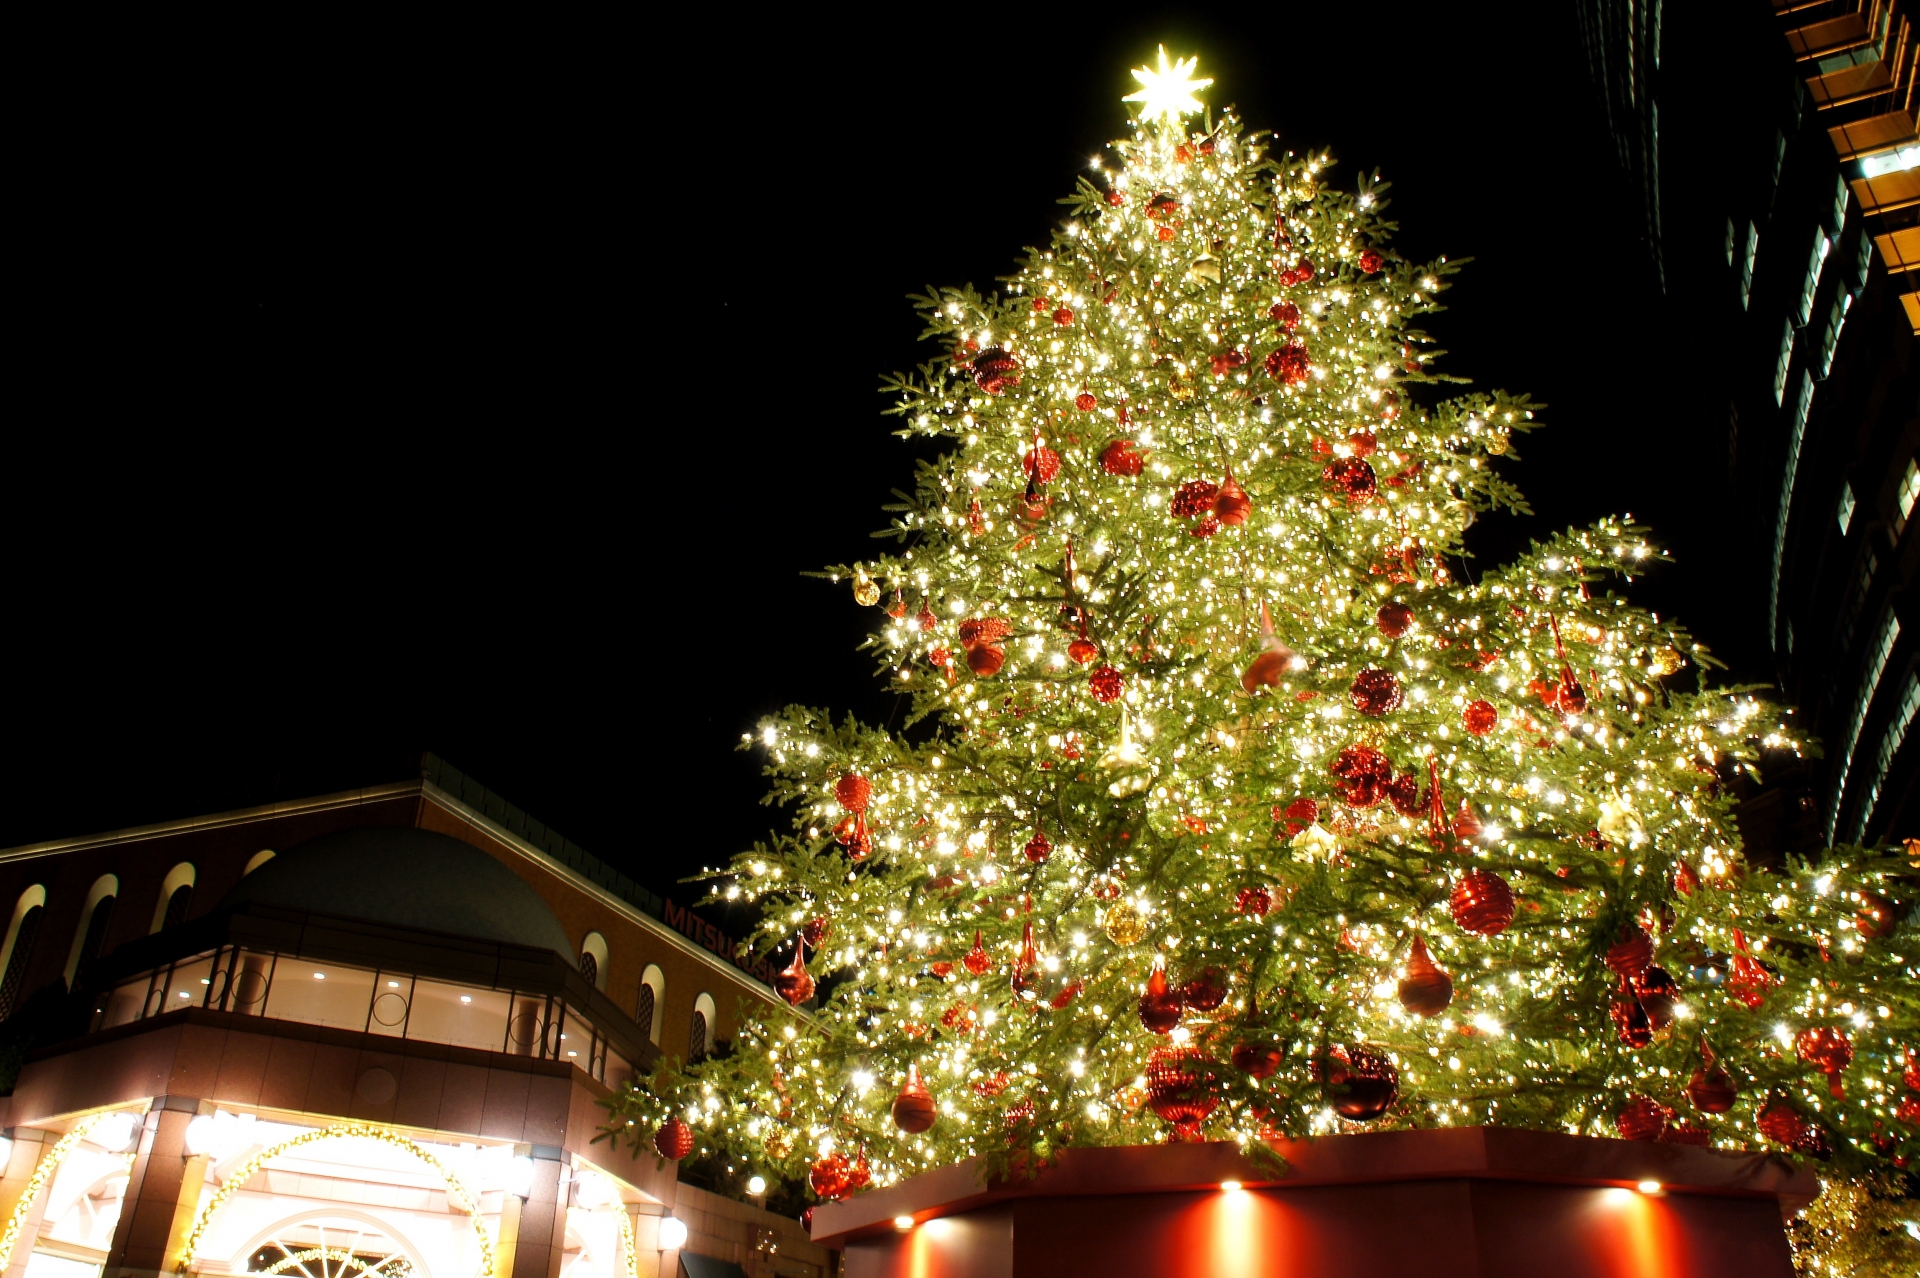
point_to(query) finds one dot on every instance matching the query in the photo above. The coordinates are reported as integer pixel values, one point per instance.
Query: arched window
(700, 1040)
(176, 897)
(22, 932)
(90, 937)
(593, 960)
(643, 1009)
(653, 1002)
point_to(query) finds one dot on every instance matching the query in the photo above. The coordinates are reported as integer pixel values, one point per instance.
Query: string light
(237, 1179)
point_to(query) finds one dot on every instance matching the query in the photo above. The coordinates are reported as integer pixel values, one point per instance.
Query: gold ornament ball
(1665, 661)
(1126, 924)
(866, 591)
(1497, 440)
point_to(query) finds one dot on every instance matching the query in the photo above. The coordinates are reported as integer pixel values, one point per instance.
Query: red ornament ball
(1063, 316)
(1180, 1087)
(1394, 619)
(1253, 900)
(1039, 847)
(1286, 315)
(1482, 903)
(1120, 459)
(1480, 718)
(1258, 1060)
(835, 1176)
(985, 660)
(1116, 199)
(1163, 207)
(1194, 497)
(1630, 955)
(1352, 478)
(1782, 1124)
(853, 791)
(1041, 464)
(1827, 1050)
(1085, 401)
(996, 371)
(1681, 1132)
(1404, 794)
(977, 959)
(1083, 650)
(1630, 1019)
(1290, 365)
(1163, 233)
(674, 1140)
(1308, 810)
(1658, 992)
(1363, 773)
(1360, 1083)
(1644, 1118)
(1375, 692)
(1370, 261)
(1364, 443)
(1106, 684)
(1206, 991)
(815, 931)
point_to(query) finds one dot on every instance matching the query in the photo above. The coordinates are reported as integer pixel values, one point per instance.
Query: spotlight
(673, 1233)
(1648, 1187)
(903, 1223)
(1231, 1186)
(758, 1185)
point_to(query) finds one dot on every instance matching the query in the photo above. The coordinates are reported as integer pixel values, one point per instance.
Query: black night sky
(487, 392)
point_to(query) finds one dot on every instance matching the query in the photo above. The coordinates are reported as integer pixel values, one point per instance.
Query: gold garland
(42, 1172)
(456, 1188)
(627, 1245)
(340, 1256)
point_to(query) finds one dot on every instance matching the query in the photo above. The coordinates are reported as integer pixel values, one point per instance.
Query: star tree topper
(1167, 94)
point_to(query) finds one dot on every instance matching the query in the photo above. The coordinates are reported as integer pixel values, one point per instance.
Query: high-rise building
(1783, 216)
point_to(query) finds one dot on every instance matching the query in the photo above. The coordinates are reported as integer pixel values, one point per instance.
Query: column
(163, 1192)
(541, 1230)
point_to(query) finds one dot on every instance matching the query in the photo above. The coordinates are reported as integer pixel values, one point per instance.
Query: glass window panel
(576, 1042)
(123, 1005)
(320, 993)
(189, 984)
(392, 995)
(618, 1071)
(458, 1014)
(525, 1030)
(253, 975)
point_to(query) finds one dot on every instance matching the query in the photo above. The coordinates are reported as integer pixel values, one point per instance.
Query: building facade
(365, 1034)
(1827, 242)
(1774, 149)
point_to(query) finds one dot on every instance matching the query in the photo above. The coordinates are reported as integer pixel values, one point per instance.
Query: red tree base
(1473, 1202)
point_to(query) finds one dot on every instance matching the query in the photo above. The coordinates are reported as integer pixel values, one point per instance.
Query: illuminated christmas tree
(1239, 809)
